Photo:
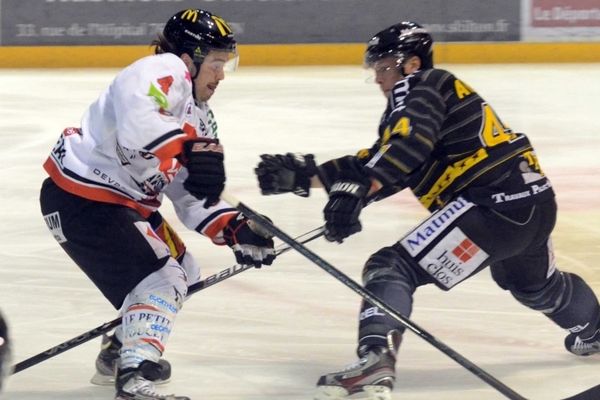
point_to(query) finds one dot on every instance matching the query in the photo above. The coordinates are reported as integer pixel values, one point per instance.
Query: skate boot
(372, 377)
(583, 346)
(138, 383)
(107, 360)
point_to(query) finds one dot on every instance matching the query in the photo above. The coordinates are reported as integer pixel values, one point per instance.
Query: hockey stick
(371, 298)
(108, 326)
(589, 394)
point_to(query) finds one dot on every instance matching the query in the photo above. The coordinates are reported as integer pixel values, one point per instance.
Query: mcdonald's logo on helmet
(222, 26)
(190, 15)
(193, 29)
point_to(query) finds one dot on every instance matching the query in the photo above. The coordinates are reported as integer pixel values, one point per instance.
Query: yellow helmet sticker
(190, 14)
(224, 28)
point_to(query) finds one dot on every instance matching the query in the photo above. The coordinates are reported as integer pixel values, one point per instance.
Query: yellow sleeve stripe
(396, 163)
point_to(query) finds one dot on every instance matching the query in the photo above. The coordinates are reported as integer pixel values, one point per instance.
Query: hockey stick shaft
(108, 326)
(590, 394)
(371, 298)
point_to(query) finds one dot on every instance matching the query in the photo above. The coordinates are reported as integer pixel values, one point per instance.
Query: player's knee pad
(192, 270)
(567, 300)
(547, 298)
(171, 278)
(387, 265)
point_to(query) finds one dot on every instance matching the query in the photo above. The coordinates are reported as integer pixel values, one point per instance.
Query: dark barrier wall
(134, 22)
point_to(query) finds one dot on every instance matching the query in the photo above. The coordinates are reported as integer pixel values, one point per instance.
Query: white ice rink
(269, 334)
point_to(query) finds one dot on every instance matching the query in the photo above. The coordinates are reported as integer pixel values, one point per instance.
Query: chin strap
(197, 65)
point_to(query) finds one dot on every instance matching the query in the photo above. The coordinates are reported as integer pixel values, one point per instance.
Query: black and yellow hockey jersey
(441, 139)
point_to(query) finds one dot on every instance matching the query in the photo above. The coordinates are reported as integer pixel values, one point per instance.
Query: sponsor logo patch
(453, 259)
(54, 224)
(434, 226)
(371, 312)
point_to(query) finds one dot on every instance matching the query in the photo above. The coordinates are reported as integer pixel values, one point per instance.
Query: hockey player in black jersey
(491, 205)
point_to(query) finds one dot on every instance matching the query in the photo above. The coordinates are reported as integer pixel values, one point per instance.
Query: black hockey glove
(283, 173)
(346, 198)
(250, 244)
(203, 159)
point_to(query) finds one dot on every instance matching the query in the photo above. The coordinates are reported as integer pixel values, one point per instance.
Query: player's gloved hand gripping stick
(344, 179)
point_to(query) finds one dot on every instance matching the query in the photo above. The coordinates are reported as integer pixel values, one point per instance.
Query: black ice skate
(138, 383)
(583, 346)
(107, 360)
(370, 378)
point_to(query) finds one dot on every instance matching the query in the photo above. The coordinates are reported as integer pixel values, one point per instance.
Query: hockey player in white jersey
(150, 133)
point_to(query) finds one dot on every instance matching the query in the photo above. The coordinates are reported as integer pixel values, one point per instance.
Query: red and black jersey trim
(162, 140)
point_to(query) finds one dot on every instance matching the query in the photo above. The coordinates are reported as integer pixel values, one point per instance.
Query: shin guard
(389, 277)
(147, 324)
(568, 301)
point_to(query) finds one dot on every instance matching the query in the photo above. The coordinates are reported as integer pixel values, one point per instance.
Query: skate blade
(369, 392)
(109, 380)
(103, 380)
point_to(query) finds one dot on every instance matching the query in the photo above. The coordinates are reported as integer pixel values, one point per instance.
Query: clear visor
(220, 60)
(378, 66)
(233, 62)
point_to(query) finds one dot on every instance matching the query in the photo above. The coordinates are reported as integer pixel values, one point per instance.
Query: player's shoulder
(436, 75)
(158, 65)
(439, 79)
(164, 72)
(165, 60)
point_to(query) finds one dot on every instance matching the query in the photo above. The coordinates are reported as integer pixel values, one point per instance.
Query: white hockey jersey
(127, 147)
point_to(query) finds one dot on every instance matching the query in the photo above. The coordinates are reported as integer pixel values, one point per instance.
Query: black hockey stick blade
(108, 326)
(590, 394)
(371, 298)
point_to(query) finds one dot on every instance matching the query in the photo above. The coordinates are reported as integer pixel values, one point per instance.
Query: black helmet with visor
(400, 41)
(196, 32)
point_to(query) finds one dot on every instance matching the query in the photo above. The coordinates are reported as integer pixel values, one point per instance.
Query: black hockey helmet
(401, 40)
(5, 353)
(195, 32)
